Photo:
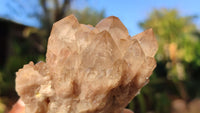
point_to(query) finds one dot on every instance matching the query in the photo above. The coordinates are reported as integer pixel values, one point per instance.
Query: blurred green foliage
(178, 58)
(2, 106)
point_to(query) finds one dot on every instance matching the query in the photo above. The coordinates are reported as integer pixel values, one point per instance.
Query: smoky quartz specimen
(88, 69)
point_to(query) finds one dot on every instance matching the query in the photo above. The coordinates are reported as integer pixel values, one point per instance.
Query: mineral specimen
(88, 69)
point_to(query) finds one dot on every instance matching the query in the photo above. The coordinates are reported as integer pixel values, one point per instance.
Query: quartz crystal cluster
(88, 69)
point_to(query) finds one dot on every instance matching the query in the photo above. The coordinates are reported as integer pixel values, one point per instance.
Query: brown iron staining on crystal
(88, 69)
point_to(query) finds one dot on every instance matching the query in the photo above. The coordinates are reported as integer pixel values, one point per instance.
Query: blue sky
(20, 11)
(130, 12)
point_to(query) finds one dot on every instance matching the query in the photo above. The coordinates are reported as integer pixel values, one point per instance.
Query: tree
(177, 43)
(53, 10)
(177, 58)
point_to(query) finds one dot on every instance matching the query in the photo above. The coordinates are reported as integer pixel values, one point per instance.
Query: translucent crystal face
(88, 69)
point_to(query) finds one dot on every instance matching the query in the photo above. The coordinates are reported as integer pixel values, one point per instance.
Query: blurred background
(175, 84)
